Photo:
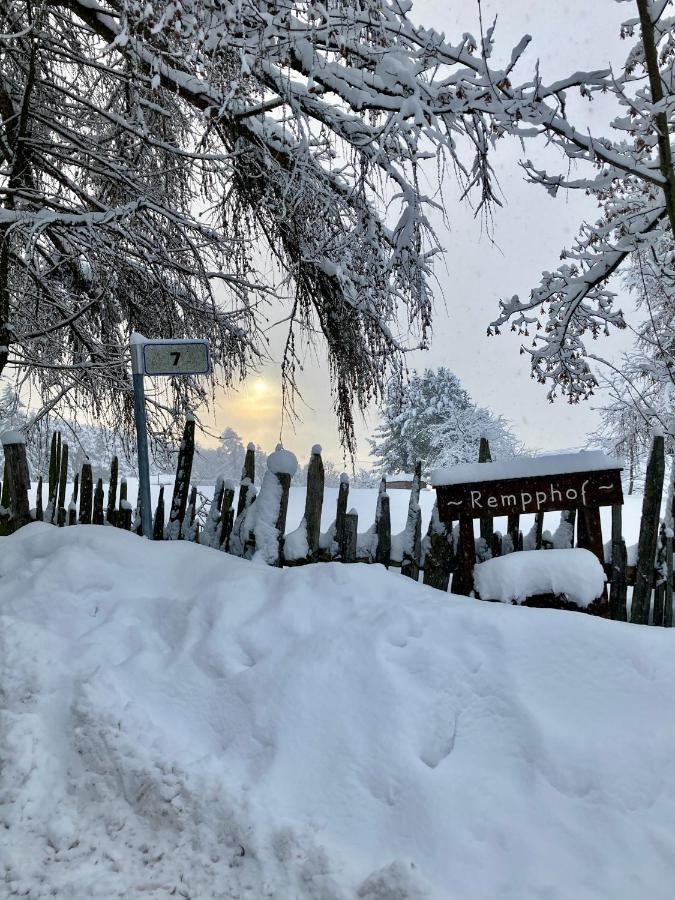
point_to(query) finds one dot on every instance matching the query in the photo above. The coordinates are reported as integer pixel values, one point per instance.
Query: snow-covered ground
(176, 722)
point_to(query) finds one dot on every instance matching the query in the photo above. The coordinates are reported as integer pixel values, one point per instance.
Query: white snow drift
(180, 723)
(575, 572)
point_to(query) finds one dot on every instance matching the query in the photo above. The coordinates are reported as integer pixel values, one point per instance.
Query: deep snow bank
(177, 722)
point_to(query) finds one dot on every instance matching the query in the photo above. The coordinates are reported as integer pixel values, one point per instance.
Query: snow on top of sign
(12, 437)
(316, 450)
(250, 446)
(516, 576)
(344, 478)
(526, 466)
(282, 461)
(137, 338)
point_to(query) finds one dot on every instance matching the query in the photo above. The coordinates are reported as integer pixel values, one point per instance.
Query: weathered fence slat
(349, 537)
(314, 503)
(86, 494)
(181, 487)
(97, 515)
(438, 553)
(617, 590)
(63, 480)
(5, 503)
(649, 524)
(538, 530)
(669, 522)
(513, 530)
(284, 479)
(111, 512)
(158, 523)
(39, 509)
(247, 478)
(211, 534)
(383, 527)
(341, 511)
(486, 523)
(189, 528)
(16, 479)
(412, 537)
(72, 506)
(462, 579)
(227, 516)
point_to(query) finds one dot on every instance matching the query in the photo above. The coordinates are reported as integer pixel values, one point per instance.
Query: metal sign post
(161, 357)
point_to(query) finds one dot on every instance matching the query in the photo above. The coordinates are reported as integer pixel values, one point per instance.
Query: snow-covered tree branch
(631, 176)
(152, 153)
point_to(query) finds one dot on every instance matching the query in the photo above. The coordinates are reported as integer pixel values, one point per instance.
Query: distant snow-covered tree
(226, 460)
(432, 418)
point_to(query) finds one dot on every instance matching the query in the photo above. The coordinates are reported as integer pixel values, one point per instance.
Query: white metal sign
(176, 358)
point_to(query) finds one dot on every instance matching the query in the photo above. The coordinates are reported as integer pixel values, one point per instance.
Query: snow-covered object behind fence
(178, 722)
(576, 573)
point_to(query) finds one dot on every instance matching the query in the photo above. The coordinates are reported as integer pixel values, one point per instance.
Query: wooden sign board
(541, 493)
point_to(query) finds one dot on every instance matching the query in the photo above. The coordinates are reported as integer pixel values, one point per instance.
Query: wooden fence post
(487, 522)
(189, 528)
(439, 553)
(86, 493)
(119, 518)
(649, 525)
(349, 537)
(158, 524)
(39, 509)
(247, 477)
(111, 512)
(284, 479)
(314, 503)
(341, 512)
(63, 479)
(54, 470)
(669, 521)
(412, 539)
(211, 533)
(227, 516)
(513, 529)
(72, 506)
(617, 590)
(181, 487)
(54, 474)
(5, 503)
(539, 530)
(97, 516)
(16, 474)
(383, 527)
(462, 579)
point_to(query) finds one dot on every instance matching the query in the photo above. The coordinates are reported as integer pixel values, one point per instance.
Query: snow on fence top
(12, 437)
(525, 467)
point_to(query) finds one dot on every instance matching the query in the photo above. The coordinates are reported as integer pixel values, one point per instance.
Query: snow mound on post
(526, 466)
(282, 462)
(12, 437)
(178, 722)
(517, 576)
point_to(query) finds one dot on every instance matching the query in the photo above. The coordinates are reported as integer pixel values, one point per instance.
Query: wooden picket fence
(238, 528)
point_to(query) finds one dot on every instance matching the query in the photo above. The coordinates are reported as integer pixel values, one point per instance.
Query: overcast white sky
(529, 233)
